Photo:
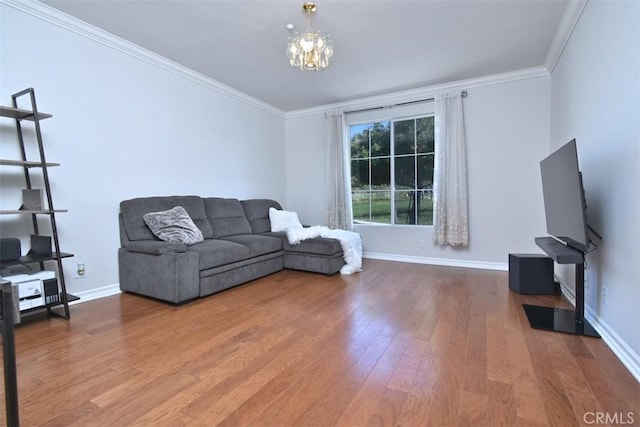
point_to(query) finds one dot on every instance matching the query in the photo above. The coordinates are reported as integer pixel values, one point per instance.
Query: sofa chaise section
(317, 255)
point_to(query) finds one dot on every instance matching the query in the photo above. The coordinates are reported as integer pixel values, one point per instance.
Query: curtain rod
(463, 93)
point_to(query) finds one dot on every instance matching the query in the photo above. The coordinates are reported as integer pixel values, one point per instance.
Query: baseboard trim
(618, 346)
(97, 293)
(438, 261)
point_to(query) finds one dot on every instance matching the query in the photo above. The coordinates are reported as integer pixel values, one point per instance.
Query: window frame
(411, 112)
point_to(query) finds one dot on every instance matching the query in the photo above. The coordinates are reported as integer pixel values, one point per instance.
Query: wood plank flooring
(398, 344)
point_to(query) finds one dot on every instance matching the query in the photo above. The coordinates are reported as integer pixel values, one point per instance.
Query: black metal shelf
(33, 115)
(31, 258)
(26, 163)
(70, 298)
(562, 319)
(20, 114)
(31, 212)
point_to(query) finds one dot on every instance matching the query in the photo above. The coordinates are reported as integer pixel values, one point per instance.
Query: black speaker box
(9, 249)
(531, 274)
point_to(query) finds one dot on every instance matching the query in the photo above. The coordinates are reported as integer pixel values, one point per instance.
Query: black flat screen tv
(564, 201)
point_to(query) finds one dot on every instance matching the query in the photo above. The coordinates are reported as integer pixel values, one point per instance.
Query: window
(392, 171)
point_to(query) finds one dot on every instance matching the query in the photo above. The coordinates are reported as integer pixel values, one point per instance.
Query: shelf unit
(562, 319)
(33, 115)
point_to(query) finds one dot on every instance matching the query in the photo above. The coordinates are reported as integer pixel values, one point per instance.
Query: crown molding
(53, 16)
(423, 92)
(67, 22)
(570, 18)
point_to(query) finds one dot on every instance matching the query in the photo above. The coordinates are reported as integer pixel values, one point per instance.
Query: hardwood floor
(398, 344)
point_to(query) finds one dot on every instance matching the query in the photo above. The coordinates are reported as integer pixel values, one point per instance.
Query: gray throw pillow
(174, 225)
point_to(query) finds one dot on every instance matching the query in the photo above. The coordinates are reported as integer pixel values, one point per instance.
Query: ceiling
(380, 46)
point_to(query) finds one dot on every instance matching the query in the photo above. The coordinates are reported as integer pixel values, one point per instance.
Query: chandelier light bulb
(306, 42)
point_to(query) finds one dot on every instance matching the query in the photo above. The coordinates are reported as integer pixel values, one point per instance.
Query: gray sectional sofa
(238, 247)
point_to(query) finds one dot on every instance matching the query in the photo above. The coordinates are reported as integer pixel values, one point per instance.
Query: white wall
(507, 128)
(124, 128)
(595, 99)
(306, 167)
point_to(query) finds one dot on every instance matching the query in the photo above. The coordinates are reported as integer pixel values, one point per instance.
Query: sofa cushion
(283, 220)
(317, 245)
(216, 252)
(226, 217)
(173, 225)
(257, 213)
(133, 211)
(257, 244)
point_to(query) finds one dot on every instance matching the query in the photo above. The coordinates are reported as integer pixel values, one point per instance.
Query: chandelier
(310, 50)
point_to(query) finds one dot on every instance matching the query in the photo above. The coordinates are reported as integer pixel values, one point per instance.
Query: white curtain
(339, 214)
(451, 213)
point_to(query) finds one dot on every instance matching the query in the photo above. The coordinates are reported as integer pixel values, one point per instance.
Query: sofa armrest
(172, 276)
(154, 247)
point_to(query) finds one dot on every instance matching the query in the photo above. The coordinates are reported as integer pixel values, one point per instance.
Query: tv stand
(561, 319)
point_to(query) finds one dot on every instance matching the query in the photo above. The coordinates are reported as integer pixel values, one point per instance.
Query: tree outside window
(392, 171)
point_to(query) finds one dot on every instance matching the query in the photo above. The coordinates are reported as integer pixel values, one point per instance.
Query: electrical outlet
(80, 270)
(421, 243)
(605, 293)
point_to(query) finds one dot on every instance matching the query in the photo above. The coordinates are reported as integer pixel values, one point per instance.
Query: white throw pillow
(283, 220)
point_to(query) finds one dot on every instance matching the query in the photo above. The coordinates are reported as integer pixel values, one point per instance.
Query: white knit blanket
(351, 244)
